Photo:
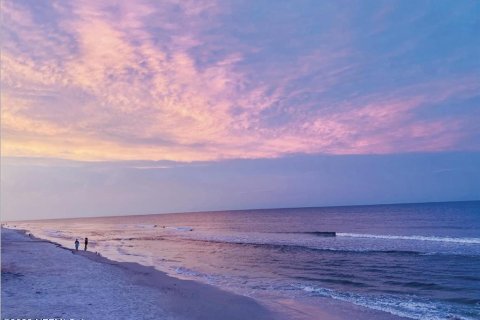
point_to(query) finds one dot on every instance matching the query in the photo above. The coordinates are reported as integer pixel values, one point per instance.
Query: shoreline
(126, 290)
(180, 299)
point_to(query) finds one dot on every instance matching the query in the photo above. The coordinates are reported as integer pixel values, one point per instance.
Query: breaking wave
(418, 238)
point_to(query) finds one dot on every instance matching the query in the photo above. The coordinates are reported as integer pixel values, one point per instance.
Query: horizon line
(249, 209)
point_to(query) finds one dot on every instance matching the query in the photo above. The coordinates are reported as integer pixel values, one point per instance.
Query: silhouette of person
(77, 243)
(86, 244)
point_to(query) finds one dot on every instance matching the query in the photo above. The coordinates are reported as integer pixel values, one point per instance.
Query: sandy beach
(43, 280)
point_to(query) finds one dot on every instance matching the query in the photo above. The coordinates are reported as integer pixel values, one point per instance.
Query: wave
(418, 238)
(296, 247)
(180, 228)
(152, 226)
(151, 238)
(330, 246)
(186, 272)
(410, 307)
(55, 234)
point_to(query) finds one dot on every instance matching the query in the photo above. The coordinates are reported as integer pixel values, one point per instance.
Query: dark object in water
(323, 233)
(317, 233)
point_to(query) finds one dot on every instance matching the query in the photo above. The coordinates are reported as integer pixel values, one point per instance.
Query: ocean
(420, 261)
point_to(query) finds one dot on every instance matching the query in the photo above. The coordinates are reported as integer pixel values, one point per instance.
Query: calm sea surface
(420, 261)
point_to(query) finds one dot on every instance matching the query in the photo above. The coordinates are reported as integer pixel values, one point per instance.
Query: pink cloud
(129, 95)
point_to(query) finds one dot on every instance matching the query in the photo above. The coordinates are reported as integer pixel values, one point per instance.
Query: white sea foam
(181, 228)
(418, 238)
(189, 273)
(410, 307)
(55, 233)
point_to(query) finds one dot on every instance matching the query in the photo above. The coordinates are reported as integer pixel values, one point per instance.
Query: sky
(131, 107)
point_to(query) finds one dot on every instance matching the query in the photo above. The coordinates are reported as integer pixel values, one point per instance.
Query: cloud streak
(206, 80)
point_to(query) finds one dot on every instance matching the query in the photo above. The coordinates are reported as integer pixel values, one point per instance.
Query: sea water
(420, 261)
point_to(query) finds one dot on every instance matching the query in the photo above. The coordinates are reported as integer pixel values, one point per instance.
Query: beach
(43, 280)
(226, 265)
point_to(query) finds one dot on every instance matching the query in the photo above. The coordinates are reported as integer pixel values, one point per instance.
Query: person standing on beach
(77, 243)
(86, 244)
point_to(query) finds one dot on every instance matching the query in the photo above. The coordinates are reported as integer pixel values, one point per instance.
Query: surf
(413, 237)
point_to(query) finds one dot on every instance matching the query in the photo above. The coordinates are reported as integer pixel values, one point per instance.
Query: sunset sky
(124, 107)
